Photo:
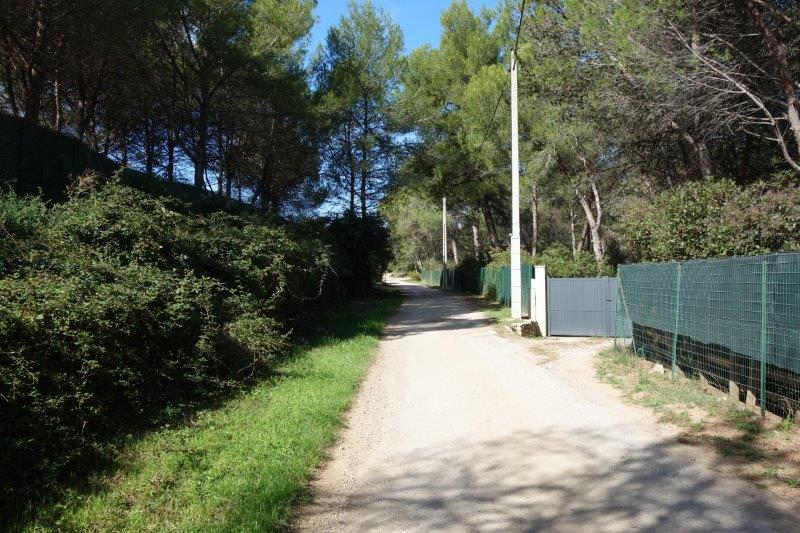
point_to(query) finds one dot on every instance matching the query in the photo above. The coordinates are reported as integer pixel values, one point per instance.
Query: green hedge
(118, 308)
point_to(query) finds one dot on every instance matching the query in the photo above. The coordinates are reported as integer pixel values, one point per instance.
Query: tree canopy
(622, 103)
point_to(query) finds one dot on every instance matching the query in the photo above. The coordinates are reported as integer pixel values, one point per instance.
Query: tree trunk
(149, 148)
(572, 232)
(266, 171)
(352, 165)
(82, 122)
(364, 159)
(170, 155)
(57, 104)
(221, 171)
(493, 237)
(594, 219)
(201, 154)
(700, 149)
(780, 54)
(704, 159)
(9, 87)
(583, 243)
(124, 148)
(199, 172)
(597, 245)
(476, 244)
(33, 73)
(454, 247)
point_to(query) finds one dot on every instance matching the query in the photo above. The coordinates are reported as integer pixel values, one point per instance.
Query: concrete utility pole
(444, 231)
(516, 275)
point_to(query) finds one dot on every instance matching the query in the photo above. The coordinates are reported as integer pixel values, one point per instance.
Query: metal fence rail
(732, 321)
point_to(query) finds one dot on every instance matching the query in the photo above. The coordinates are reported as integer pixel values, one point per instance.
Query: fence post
(763, 370)
(677, 318)
(621, 292)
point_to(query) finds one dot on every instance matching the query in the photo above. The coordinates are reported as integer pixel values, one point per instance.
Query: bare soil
(764, 451)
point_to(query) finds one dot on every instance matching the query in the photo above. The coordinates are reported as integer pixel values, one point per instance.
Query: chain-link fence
(733, 322)
(492, 282)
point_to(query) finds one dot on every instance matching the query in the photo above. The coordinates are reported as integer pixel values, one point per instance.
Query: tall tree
(454, 100)
(358, 73)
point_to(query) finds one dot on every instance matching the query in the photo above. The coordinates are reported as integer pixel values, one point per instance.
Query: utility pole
(516, 275)
(444, 231)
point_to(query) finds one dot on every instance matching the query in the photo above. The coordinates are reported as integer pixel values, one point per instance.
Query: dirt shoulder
(763, 451)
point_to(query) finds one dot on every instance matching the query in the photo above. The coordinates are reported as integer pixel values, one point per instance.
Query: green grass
(496, 313)
(658, 392)
(242, 466)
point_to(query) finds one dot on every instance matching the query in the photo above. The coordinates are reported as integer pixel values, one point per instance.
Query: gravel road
(459, 427)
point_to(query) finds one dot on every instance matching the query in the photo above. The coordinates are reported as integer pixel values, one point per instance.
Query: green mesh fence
(492, 282)
(432, 278)
(730, 321)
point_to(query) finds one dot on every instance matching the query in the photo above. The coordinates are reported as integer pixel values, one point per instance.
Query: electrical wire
(500, 96)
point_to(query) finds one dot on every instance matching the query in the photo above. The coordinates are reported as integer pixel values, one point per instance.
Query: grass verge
(766, 451)
(242, 466)
(496, 312)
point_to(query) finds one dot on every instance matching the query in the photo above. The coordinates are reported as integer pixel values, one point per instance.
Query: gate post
(539, 297)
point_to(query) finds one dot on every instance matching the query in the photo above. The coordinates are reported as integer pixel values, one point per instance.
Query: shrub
(503, 258)
(362, 251)
(561, 264)
(710, 219)
(117, 305)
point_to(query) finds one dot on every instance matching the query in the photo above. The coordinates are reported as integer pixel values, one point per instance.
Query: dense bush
(559, 261)
(712, 218)
(502, 258)
(118, 304)
(561, 264)
(362, 250)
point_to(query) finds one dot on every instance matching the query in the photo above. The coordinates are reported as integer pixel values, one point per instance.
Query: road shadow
(554, 480)
(425, 310)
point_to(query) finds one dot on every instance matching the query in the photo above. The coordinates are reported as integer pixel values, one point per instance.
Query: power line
(513, 58)
(519, 26)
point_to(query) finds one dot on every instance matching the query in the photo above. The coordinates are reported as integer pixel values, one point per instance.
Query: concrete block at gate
(733, 390)
(658, 368)
(750, 398)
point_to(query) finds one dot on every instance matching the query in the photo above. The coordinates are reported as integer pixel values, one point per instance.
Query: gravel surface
(460, 427)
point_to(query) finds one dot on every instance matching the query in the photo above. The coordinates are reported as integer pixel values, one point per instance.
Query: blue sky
(419, 19)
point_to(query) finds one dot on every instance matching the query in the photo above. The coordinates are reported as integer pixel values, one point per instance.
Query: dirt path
(460, 428)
